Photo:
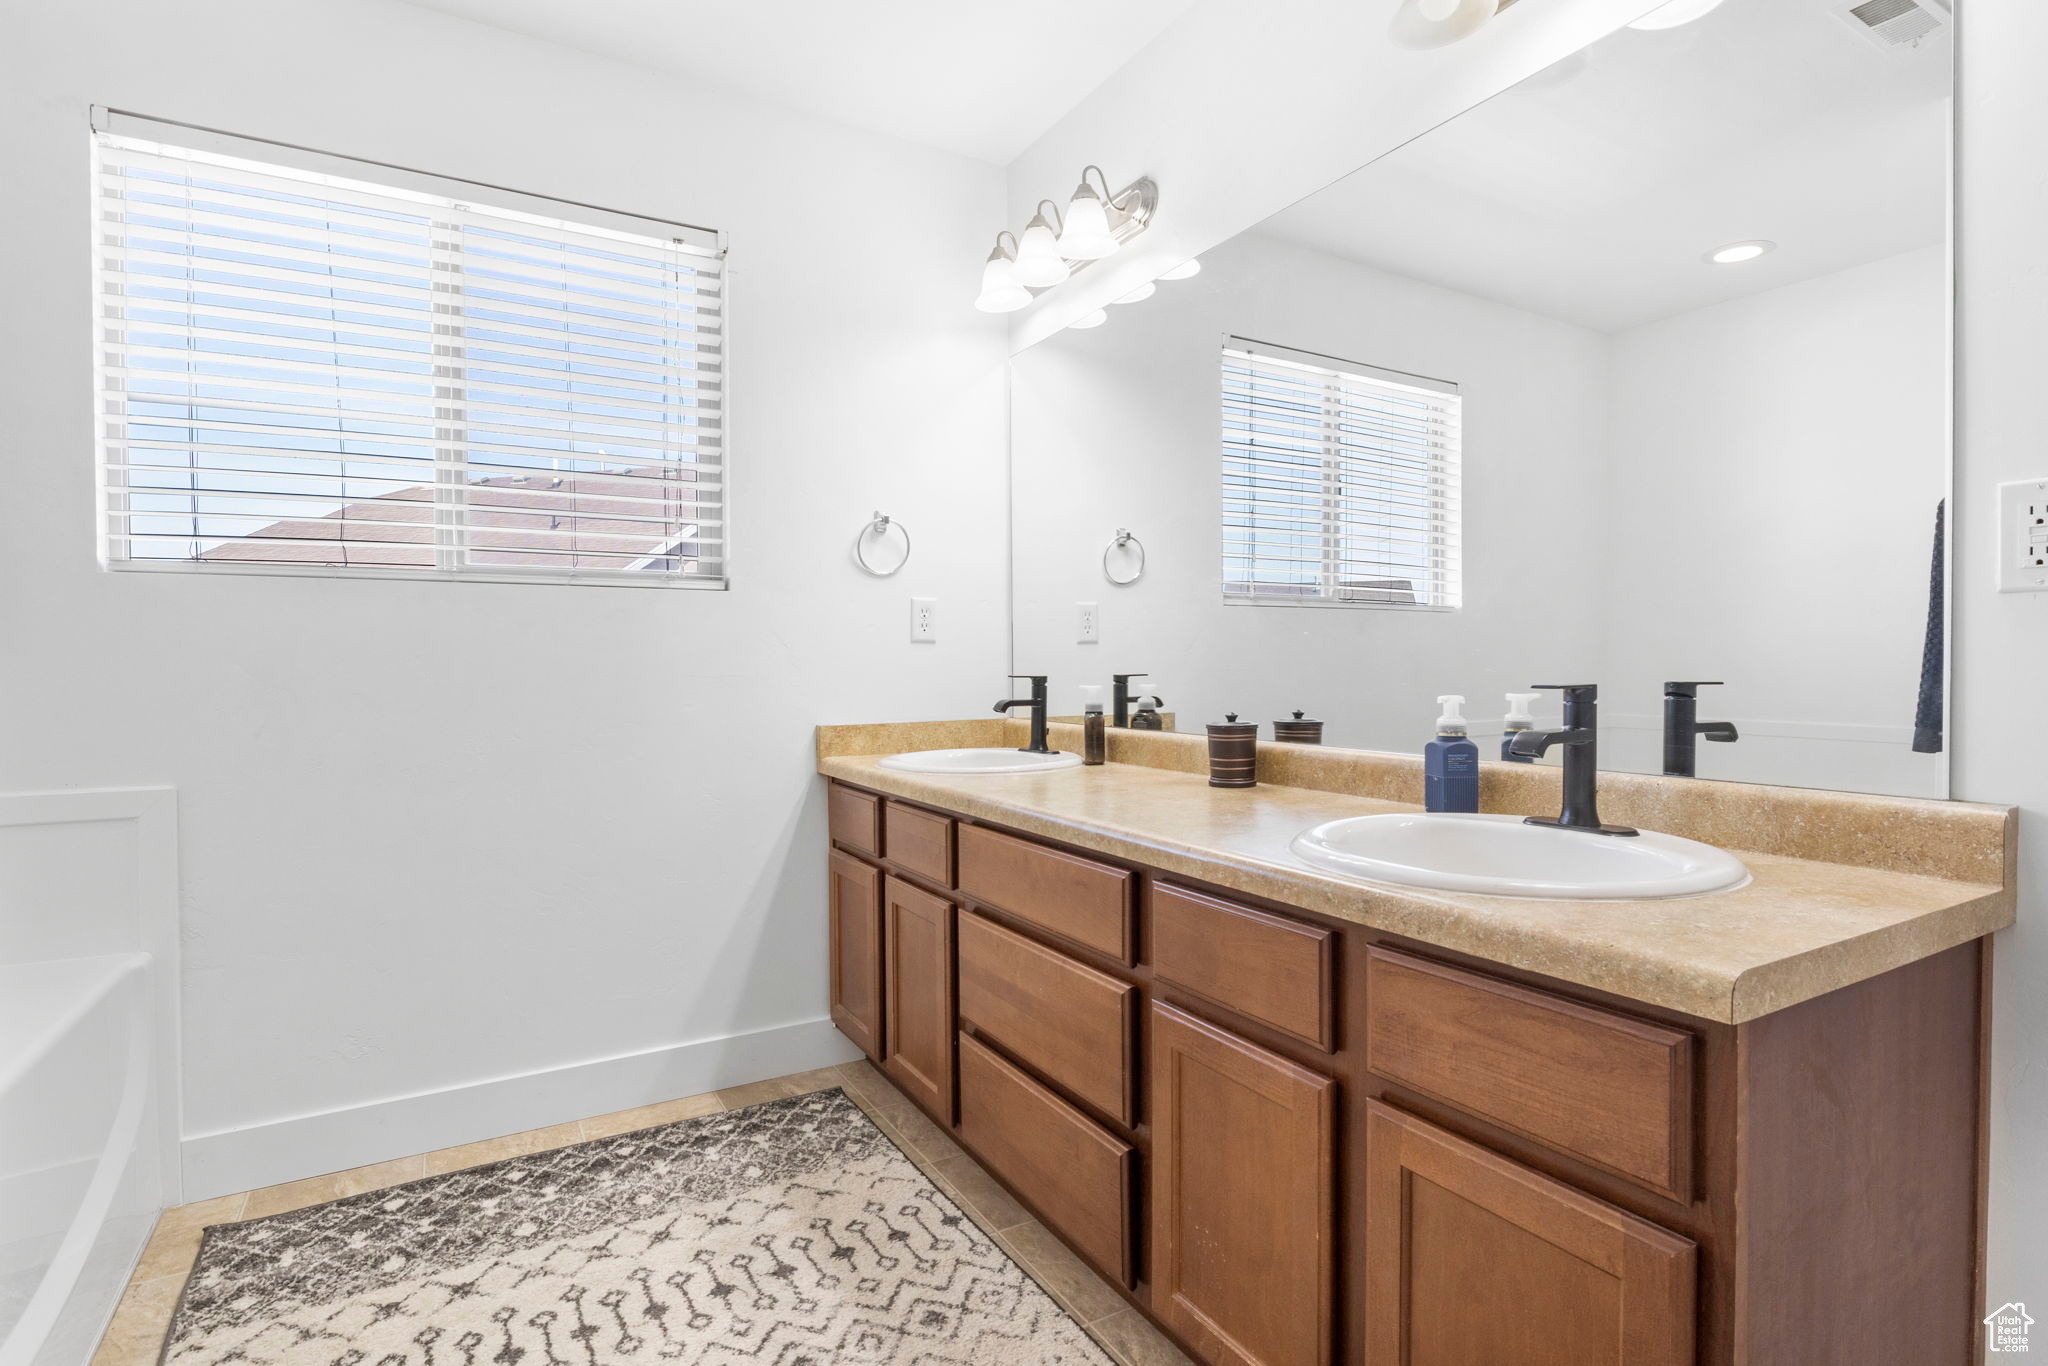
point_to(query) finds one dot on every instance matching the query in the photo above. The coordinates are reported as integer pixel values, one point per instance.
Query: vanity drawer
(1076, 1173)
(918, 842)
(1607, 1089)
(1074, 1024)
(1268, 968)
(855, 820)
(1075, 898)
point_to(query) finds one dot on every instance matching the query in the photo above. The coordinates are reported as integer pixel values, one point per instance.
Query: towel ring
(1124, 541)
(879, 527)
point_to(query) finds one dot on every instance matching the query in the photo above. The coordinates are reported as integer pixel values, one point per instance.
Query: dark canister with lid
(1233, 752)
(1299, 731)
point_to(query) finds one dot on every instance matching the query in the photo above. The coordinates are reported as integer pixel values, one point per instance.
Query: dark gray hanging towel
(1934, 650)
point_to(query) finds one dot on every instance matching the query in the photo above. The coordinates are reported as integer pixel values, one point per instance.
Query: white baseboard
(334, 1140)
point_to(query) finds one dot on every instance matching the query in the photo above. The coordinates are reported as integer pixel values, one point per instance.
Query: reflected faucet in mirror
(1037, 704)
(1581, 738)
(1683, 729)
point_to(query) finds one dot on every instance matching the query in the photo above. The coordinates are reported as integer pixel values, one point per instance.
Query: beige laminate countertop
(1800, 929)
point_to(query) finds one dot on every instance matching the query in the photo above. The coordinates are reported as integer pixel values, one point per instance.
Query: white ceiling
(1591, 192)
(967, 76)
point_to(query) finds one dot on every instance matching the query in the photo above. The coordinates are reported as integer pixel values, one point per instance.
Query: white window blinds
(1340, 482)
(301, 371)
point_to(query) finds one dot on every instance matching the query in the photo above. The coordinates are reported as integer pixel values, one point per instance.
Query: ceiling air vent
(1895, 24)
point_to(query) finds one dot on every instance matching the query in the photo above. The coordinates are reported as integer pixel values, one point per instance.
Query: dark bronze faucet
(1581, 737)
(1121, 698)
(1037, 704)
(1682, 727)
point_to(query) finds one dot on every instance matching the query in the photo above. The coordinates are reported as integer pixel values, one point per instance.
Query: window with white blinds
(1340, 482)
(303, 371)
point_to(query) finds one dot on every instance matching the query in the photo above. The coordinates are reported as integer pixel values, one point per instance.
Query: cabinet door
(1473, 1260)
(917, 977)
(1242, 1196)
(856, 901)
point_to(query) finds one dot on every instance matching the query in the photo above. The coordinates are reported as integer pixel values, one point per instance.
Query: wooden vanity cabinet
(855, 908)
(1473, 1260)
(1243, 1196)
(1291, 1140)
(917, 993)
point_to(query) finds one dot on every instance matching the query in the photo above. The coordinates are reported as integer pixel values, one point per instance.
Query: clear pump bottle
(1094, 726)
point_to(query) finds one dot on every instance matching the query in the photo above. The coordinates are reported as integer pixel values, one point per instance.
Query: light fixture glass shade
(1038, 256)
(1438, 23)
(1095, 319)
(1676, 13)
(1084, 234)
(1144, 291)
(1000, 292)
(1191, 266)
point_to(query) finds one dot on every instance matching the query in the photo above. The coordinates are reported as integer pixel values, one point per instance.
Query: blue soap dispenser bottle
(1450, 763)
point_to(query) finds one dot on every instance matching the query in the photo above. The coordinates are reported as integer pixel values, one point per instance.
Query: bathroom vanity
(1298, 1119)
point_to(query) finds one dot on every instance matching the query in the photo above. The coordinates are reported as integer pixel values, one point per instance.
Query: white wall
(438, 835)
(2001, 642)
(1773, 467)
(1118, 426)
(1237, 112)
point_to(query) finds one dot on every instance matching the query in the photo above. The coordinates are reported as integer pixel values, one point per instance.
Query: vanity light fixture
(1001, 292)
(1675, 13)
(1439, 23)
(1039, 262)
(1185, 270)
(1735, 253)
(1144, 291)
(1054, 245)
(1095, 319)
(1085, 234)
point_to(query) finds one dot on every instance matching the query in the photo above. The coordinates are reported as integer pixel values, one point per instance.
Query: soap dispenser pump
(1450, 763)
(1521, 716)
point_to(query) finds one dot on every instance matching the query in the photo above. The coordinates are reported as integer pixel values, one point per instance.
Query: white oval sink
(980, 761)
(1505, 856)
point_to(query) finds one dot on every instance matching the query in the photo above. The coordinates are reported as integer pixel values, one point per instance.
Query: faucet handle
(1586, 690)
(1690, 689)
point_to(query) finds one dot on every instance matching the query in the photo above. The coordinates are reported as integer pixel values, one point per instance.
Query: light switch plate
(1087, 623)
(924, 619)
(2023, 536)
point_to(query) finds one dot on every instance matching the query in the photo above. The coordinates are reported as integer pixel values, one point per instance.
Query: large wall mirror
(1490, 412)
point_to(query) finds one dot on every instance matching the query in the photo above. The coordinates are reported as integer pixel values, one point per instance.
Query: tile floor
(136, 1333)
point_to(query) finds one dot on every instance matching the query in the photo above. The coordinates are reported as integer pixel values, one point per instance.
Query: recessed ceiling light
(1735, 253)
(1191, 266)
(1676, 13)
(1095, 319)
(1144, 291)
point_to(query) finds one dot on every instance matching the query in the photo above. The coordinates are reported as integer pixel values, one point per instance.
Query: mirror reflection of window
(1340, 482)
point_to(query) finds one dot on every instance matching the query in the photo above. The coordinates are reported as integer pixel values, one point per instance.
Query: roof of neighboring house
(541, 520)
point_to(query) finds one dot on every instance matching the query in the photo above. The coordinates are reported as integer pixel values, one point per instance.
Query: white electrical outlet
(924, 619)
(2023, 536)
(1087, 623)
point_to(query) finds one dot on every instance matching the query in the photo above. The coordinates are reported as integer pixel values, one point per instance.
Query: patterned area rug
(792, 1232)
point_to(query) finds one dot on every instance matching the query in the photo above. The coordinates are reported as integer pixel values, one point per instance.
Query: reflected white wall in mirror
(1669, 468)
